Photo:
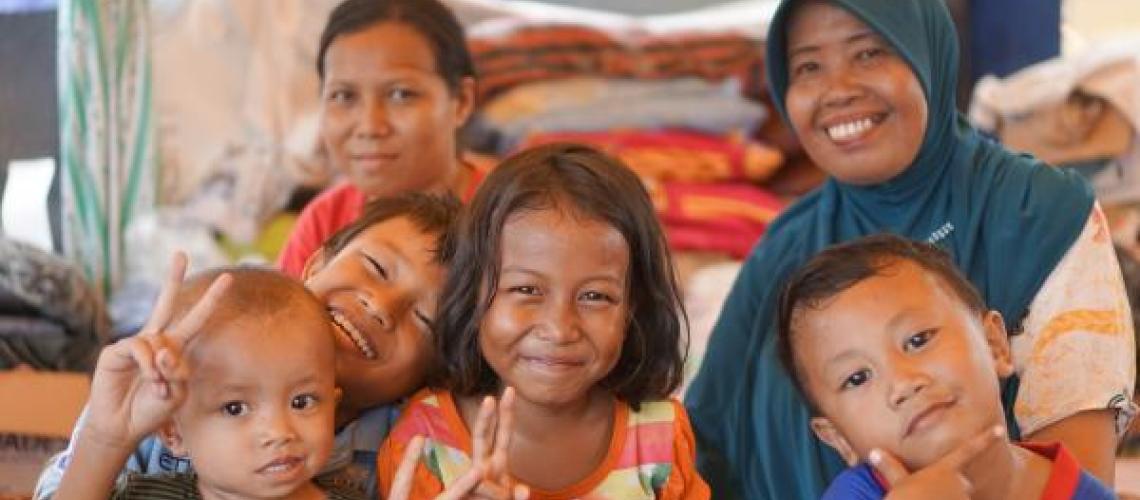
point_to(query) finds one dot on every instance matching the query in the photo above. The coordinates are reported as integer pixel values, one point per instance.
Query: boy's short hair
(432, 214)
(253, 292)
(843, 266)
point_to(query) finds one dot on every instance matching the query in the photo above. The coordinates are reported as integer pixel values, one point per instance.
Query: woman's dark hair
(585, 182)
(843, 266)
(432, 214)
(430, 18)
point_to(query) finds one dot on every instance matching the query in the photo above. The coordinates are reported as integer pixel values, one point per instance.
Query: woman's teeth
(846, 131)
(358, 339)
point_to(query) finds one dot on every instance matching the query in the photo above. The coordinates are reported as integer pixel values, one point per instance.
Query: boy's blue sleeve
(150, 457)
(855, 483)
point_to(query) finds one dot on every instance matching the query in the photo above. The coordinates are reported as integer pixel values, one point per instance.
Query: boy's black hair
(585, 182)
(432, 214)
(430, 18)
(843, 266)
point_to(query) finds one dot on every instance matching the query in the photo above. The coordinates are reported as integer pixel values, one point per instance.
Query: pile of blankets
(682, 110)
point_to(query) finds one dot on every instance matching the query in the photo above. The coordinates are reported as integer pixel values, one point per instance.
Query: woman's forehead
(813, 23)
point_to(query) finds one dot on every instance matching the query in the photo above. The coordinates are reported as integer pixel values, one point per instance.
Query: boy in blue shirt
(900, 361)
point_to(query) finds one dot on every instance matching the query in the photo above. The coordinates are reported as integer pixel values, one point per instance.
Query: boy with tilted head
(241, 383)
(900, 361)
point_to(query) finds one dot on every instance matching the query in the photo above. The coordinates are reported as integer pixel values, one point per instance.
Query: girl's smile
(557, 322)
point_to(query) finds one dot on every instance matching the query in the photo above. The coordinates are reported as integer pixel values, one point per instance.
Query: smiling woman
(397, 85)
(868, 86)
(851, 96)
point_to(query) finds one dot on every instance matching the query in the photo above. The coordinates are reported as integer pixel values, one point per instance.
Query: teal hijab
(1005, 219)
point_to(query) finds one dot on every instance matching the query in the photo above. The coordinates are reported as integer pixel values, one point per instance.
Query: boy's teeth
(845, 131)
(357, 338)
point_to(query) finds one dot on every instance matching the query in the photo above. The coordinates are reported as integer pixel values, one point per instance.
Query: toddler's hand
(140, 381)
(489, 477)
(942, 479)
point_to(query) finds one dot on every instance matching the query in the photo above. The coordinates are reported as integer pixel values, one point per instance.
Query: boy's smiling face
(899, 362)
(381, 291)
(258, 419)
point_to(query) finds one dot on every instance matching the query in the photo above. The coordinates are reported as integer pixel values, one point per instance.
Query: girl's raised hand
(141, 380)
(489, 477)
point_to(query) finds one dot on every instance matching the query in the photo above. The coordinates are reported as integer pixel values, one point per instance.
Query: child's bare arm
(138, 383)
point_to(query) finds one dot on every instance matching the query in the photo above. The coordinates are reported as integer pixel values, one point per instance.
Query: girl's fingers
(483, 432)
(499, 471)
(402, 483)
(192, 322)
(463, 487)
(164, 305)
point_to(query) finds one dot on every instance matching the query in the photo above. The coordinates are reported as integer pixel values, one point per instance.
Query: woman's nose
(841, 89)
(372, 121)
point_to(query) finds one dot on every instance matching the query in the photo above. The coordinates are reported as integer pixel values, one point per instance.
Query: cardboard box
(37, 412)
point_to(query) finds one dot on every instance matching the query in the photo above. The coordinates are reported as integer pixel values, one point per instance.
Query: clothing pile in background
(1082, 112)
(679, 109)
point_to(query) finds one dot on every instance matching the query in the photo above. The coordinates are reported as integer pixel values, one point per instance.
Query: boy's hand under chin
(942, 479)
(140, 381)
(489, 477)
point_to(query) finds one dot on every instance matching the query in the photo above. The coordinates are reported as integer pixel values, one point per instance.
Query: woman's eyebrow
(858, 37)
(816, 47)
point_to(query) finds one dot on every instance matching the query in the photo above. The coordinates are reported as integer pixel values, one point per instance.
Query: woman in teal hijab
(868, 87)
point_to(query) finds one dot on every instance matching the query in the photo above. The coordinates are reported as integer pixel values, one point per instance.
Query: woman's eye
(401, 94)
(867, 54)
(340, 96)
(235, 408)
(377, 267)
(918, 340)
(303, 402)
(524, 290)
(856, 379)
(805, 68)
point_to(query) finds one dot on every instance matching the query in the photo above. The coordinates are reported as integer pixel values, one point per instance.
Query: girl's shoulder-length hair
(591, 184)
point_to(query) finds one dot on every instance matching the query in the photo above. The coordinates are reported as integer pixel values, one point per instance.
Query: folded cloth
(725, 218)
(598, 104)
(679, 155)
(528, 53)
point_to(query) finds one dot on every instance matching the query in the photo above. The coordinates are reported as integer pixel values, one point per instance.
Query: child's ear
(314, 265)
(172, 438)
(994, 328)
(826, 432)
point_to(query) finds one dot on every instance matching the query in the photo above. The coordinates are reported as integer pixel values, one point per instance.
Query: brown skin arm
(93, 470)
(1090, 436)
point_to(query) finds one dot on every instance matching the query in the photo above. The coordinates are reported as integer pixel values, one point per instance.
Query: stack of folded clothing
(680, 110)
